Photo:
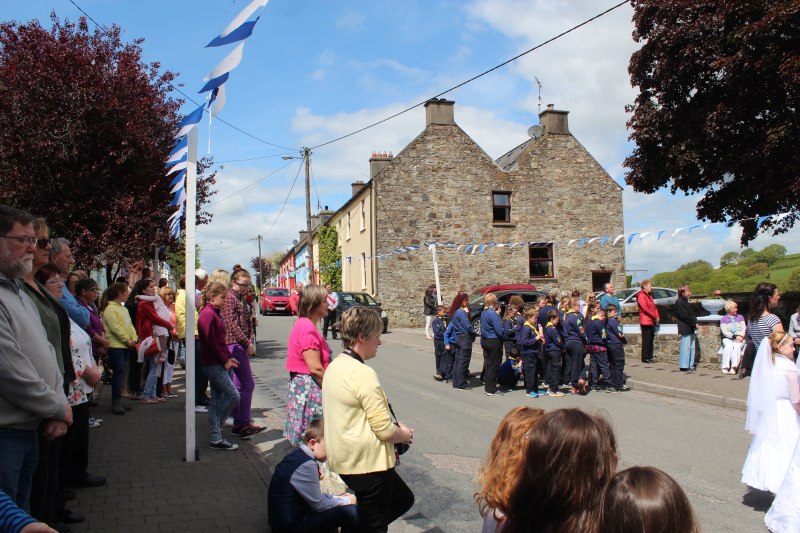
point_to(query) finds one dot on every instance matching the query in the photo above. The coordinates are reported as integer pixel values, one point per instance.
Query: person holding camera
(362, 440)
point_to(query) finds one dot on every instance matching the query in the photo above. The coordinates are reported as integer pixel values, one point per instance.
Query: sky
(314, 70)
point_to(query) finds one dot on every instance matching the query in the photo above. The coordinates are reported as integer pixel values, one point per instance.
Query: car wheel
(476, 325)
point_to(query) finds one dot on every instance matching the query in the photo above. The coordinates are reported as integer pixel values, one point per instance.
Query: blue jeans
(686, 359)
(224, 398)
(150, 383)
(18, 463)
(117, 357)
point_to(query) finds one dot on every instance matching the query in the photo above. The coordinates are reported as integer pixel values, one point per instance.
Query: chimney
(357, 186)
(377, 162)
(554, 121)
(303, 234)
(439, 111)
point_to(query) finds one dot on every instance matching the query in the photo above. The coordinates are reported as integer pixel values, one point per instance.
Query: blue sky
(317, 69)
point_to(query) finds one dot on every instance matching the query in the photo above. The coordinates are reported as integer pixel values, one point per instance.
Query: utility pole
(260, 267)
(310, 247)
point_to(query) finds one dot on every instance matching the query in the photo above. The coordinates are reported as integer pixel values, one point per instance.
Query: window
(540, 260)
(363, 270)
(348, 226)
(363, 217)
(501, 207)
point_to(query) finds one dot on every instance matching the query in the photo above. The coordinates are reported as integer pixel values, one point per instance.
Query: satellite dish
(534, 132)
(294, 242)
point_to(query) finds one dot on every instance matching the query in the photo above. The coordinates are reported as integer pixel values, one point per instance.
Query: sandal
(149, 400)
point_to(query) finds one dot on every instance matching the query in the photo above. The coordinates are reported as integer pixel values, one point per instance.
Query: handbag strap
(394, 416)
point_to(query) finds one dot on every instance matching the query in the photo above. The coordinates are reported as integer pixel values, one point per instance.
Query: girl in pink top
(308, 356)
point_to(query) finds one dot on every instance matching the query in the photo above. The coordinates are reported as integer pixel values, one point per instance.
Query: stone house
(443, 187)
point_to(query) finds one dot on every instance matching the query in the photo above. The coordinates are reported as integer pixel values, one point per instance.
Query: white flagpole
(436, 274)
(191, 217)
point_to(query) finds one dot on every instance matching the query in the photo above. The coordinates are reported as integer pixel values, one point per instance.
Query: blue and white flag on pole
(190, 121)
(215, 83)
(217, 98)
(239, 20)
(181, 147)
(179, 199)
(174, 160)
(178, 178)
(239, 34)
(180, 166)
(228, 63)
(175, 188)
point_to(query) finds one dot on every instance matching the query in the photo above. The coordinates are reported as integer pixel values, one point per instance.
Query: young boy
(598, 352)
(439, 326)
(509, 372)
(529, 347)
(574, 342)
(295, 501)
(616, 351)
(554, 346)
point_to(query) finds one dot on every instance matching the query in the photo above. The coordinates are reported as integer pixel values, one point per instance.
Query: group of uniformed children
(547, 343)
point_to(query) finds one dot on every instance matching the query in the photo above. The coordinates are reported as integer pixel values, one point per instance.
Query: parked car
(275, 300)
(349, 299)
(526, 291)
(627, 297)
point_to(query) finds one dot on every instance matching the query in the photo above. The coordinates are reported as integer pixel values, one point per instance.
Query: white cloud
(351, 20)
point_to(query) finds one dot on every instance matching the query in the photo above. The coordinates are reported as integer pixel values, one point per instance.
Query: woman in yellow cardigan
(121, 337)
(359, 431)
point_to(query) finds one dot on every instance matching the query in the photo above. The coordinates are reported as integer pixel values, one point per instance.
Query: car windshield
(360, 298)
(624, 294)
(476, 298)
(277, 292)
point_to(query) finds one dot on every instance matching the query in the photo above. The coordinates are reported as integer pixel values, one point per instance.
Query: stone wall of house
(439, 188)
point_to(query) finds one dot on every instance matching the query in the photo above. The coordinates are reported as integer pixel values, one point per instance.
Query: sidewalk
(706, 385)
(150, 488)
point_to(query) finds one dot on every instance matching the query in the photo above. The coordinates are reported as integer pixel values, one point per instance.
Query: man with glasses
(31, 385)
(62, 259)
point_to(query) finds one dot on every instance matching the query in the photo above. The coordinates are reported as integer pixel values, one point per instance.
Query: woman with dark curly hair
(760, 322)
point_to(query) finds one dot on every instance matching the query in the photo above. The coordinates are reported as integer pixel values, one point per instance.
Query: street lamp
(310, 247)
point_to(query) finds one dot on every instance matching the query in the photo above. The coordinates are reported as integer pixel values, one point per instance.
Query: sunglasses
(42, 243)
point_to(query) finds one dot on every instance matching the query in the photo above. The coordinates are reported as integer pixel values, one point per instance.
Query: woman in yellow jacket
(121, 336)
(359, 431)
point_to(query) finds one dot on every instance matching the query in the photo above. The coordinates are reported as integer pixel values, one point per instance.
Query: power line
(485, 72)
(229, 247)
(240, 130)
(284, 203)
(248, 159)
(248, 186)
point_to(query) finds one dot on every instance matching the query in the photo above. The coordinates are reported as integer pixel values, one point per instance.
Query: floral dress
(81, 349)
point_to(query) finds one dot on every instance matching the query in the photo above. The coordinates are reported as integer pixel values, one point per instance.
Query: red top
(236, 315)
(648, 312)
(294, 299)
(146, 317)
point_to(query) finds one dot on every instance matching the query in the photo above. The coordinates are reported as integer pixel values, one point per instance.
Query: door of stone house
(600, 278)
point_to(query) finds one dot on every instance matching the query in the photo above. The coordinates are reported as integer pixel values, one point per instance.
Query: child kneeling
(295, 502)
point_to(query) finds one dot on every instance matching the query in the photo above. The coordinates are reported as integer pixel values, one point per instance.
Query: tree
(330, 257)
(176, 257)
(85, 128)
(719, 90)
(729, 258)
(259, 265)
(695, 264)
(793, 282)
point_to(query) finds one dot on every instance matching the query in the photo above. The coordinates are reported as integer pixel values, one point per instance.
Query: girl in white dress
(773, 404)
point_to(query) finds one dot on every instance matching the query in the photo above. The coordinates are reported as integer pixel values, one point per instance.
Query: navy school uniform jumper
(616, 352)
(464, 336)
(574, 342)
(529, 348)
(492, 342)
(509, 337)
(439, 326)
(554, 346)
(598, 352)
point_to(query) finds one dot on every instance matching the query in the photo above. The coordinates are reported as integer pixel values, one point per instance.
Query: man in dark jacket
(687, 327)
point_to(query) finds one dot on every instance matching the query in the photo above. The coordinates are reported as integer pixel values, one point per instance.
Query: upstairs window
(501, 207)
(540, 260)
(363, 216)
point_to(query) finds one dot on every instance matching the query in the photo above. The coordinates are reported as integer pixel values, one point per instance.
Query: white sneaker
(200, 409)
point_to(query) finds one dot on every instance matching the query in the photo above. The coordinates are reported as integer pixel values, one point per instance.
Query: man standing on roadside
(31, 386)
(330, 318)
(294, 300)
(61, 257)
(609, 298)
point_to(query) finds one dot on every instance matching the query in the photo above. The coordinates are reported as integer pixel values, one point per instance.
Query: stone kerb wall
(439, 188)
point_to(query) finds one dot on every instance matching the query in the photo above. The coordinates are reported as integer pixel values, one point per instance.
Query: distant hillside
(738, 272)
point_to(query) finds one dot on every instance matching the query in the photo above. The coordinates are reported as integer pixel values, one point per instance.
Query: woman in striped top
(761, 322)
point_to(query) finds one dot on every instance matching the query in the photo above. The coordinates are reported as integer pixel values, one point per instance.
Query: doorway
(600, 278)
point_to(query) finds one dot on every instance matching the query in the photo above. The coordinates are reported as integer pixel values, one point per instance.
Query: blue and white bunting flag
(218, 99)
(243, 15)
(178, 186)
(228, 63)
(179, 199)
(239, 34)
(178, 178)
(180, 159)
(190, 121)
(180, 166)
(760, 221)
(214, 83)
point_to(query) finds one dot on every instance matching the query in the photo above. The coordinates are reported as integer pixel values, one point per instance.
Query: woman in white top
(773, 413)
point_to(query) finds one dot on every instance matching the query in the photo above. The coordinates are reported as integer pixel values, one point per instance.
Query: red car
(275, 300)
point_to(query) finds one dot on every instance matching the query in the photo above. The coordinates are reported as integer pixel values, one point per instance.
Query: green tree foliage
(793, 283)
(719, 90)
(758, 269)
(730, 258)
(330, 257)
(696, 264)
(176, 258)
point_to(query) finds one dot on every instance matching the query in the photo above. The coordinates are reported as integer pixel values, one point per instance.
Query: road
(702, 446)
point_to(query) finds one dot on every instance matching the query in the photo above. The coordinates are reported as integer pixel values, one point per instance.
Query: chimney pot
(356, 187)
(554, 121)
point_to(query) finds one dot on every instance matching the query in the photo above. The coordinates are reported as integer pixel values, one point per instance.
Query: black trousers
(327, 323)
(48, 480)
(200, 379)
(576, 355)
(648, 341)
(616, 363)
(529, 362)
(438, 355)
(553, 369)
(76, 444)
(383, 497)
(448, 359)
(492, 357)
(134, 373)
(462, 358)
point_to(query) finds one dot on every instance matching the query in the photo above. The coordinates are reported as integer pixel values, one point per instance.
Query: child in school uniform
(554, 346)
(439, 326)
(511, 325)
(529, 347)
(574, 346)
(295, 501)
(598, 352)
(615, 342)
(448, 359)
(509, 372)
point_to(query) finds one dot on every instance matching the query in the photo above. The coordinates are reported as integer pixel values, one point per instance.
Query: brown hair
(315, 430)
(571, 456)
(46, 272)
(644, 282)
(590, 309)
(645, 499)
(456, 305)
(682, 290)
(500, 471)
(516, 301)
(211, 290)
(112, 293)
(359, 320)
(490, 300)
(166, 291)
(530, 312)
(776, 338)
(310, 297)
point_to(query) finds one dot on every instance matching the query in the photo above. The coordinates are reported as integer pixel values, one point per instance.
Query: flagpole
(436, 274)
(191, 451)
